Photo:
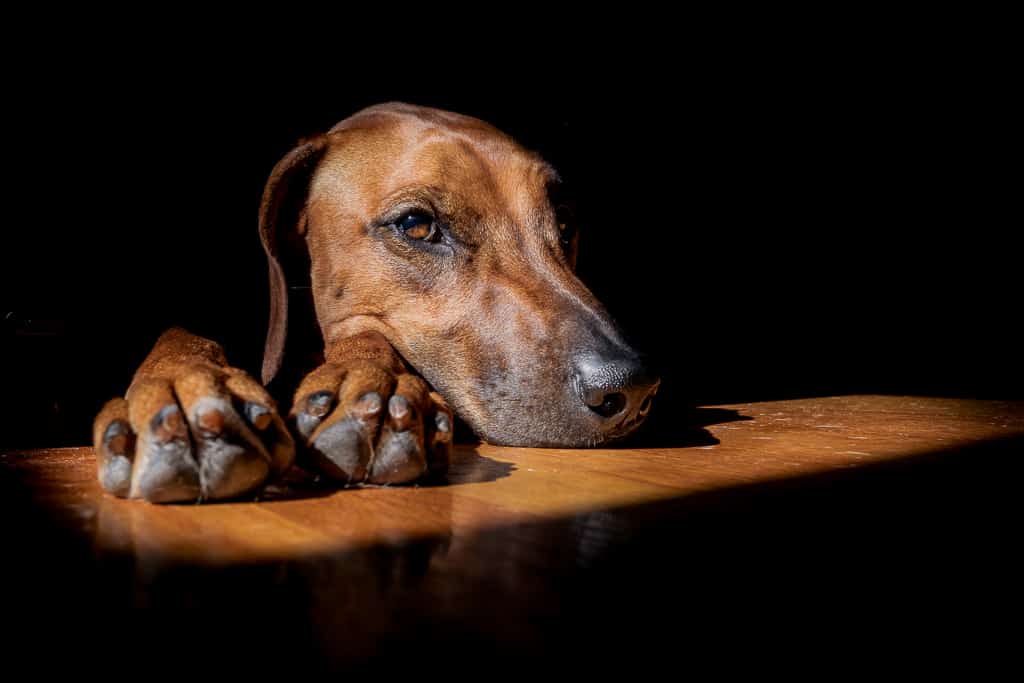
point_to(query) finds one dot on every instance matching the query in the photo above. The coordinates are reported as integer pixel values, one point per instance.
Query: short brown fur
(490, 315)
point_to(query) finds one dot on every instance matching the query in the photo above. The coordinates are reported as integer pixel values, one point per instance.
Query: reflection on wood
(490, 486)
(524, 543)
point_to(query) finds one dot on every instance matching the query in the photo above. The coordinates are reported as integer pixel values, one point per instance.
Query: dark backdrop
(766, 218)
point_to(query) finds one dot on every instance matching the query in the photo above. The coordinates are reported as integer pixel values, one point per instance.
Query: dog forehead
(387, 148)
(412, 121)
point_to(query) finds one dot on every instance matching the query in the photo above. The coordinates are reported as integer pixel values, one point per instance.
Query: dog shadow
(467, 467)
(674, 426)
(684, 427)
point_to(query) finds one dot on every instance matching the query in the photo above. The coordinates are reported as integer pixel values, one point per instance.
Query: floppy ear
(281, 210)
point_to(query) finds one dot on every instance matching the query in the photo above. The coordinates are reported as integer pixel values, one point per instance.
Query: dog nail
(118, 445)
(368, 405)
(319, 404)
(306, 423)
(258, 415)
(116, 438)
(211, 422)
(398, 407)
(401, 412)
(168, 425)
(443, 423)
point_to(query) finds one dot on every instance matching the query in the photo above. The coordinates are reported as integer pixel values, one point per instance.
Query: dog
(442, 278)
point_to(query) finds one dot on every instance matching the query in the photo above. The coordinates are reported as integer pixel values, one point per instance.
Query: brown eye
(417, 226)
(566, 232)
(566, 225)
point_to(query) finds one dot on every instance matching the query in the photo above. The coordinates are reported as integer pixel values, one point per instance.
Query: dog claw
(398, 406)
(305, 424)
(115, 472)
(201, 432)
(168, 425)
(401, 413)
(319, 404)
(117, 438)
(315, 407)
(443, 424)
(342, 450)
(368, 405)
(168, 474)
(258, 415)
(375, 425)
(399, 459)
(211, 422)
(230, 469)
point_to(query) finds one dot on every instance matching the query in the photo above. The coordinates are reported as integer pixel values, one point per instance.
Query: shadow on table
(911, 563)
(685, 427)
(468, 466)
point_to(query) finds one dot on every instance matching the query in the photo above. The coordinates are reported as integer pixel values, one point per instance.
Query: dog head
(440, 232)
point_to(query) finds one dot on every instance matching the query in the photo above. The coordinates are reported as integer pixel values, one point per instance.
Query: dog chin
(549, 435)
(551, 421)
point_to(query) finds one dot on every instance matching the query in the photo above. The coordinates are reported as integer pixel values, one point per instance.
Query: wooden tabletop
(520, 547)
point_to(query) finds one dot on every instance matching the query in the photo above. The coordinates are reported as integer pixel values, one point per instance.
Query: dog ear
(281, 211)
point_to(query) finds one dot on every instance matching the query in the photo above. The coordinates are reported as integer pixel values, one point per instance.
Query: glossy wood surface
(520, 543)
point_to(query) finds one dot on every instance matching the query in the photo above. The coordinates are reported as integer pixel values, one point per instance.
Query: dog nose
(619, 387)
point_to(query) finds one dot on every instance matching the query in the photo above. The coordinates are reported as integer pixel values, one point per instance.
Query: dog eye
(566, 225)
(566, 231)
(418, 226)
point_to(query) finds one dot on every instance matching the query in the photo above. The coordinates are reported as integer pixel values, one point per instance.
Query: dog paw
(361, 423)
(202, 432)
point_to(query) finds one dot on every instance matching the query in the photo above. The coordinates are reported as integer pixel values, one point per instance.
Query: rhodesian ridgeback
(442, 278)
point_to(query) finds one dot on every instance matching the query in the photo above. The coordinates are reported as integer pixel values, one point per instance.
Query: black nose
(620, 387)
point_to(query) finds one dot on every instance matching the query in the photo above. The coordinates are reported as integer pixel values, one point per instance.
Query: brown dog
(438, 268)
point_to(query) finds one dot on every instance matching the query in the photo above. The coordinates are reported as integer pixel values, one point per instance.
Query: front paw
(363, 423)
(200, 433)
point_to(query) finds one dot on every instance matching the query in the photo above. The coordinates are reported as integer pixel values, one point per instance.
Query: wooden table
(898, 510)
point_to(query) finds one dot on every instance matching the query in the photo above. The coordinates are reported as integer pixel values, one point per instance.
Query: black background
(772, 205)
(767, 214)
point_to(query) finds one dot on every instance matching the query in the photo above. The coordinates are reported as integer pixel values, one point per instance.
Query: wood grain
(491, 486)
(525, 546)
